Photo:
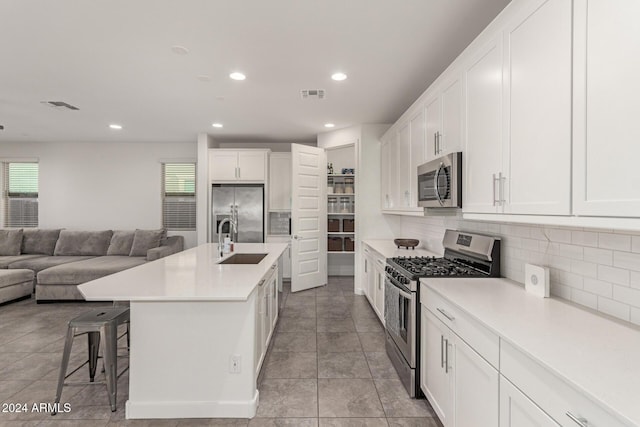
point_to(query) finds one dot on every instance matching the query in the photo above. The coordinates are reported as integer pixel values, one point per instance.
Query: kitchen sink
(244, 259)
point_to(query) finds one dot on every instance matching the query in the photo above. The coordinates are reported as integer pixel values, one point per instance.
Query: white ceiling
(113, 60)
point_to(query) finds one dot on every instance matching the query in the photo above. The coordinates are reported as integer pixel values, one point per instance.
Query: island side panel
(180, 359)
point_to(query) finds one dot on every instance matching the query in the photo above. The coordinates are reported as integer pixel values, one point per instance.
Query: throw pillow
(121, 242)
(143, 240)
(39, 241)
(10, 242)
(85, 243)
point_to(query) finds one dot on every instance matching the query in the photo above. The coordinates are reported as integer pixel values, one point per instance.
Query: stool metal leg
(64, 364)
(94, 346)
(109, 335)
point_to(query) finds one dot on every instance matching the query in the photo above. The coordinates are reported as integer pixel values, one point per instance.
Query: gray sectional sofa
(63, 259)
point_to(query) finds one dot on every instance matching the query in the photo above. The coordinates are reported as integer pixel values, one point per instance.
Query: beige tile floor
(326, 367)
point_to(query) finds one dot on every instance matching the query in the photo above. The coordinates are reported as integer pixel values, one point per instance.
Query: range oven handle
(435, 184)
(400, 291)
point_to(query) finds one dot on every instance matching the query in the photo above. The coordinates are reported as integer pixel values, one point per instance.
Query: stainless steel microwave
(440, 182)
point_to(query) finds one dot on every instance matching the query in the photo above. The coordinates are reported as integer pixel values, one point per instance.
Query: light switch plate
(536, 280)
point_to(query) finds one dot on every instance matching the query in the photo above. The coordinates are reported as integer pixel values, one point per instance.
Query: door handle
(582, 422)
(446, 356)
(442, 351)
(448, 316)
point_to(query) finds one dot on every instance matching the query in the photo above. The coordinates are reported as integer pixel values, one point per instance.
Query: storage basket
(349, 244)
(348, 225)
(334, 225)
(335, 244)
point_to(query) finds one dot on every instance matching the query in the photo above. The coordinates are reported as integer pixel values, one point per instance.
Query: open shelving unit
(341, 216)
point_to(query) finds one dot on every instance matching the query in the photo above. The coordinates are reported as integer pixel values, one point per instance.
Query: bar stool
(101, 327)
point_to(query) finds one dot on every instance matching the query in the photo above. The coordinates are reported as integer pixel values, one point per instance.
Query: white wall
(107, 185)
(596, 268)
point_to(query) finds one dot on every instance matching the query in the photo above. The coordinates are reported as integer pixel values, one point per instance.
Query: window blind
(20, 194)
(179, 196)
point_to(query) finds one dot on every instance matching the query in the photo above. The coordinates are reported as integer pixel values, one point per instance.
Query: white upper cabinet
(237, 165)
(538, 110)
(385, 171)
(450, 139)
(432, 116)
(606, 128)
(417, 152)
(280, 182)
(518, 151)
(443, 115)
(223, 165)
(483, 151)
(404, 168)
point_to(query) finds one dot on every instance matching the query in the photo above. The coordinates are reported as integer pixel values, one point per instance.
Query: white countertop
(599, 356)
(191, 275)
(388, 249)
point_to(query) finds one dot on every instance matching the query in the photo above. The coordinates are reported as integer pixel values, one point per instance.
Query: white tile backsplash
(597, 268)
(616, 242)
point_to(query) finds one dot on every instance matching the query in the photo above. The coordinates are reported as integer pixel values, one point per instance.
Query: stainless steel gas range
(465, 255)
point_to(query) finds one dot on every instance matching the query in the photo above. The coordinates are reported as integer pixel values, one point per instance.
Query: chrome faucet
(234, 227)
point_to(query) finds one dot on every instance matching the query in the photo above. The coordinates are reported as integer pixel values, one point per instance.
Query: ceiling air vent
(60, 105)
(312, 94)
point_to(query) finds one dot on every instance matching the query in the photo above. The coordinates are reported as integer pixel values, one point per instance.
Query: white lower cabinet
(435, 381)
(373, 268)
(517, 410)
(475, 389)
(461, 386)
(266, 315)
(563, 403)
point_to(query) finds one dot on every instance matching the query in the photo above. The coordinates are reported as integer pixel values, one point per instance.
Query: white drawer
(377, 257)
(481, 339)
(555, 396)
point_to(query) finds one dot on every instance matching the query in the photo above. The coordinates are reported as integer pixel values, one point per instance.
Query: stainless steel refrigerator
(242, 202)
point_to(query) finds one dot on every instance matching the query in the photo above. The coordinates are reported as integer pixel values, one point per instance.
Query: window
(179, 196)
(20, 194)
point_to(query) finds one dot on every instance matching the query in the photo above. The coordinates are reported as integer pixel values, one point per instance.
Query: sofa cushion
(10, 242)
(84, 271)
(39, 241)
(87, 243)
(6, 260)
(121, 242)
(143, 240)
(44, 262)
(13, 277)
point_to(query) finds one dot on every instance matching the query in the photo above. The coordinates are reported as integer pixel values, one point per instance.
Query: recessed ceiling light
(329, 125)
(217, 125)
(237, 76)
(339, 76)
(179, 50)
(115, 126)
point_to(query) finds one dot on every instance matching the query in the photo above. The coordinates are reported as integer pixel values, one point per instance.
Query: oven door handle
(435, 184)
(401, 292)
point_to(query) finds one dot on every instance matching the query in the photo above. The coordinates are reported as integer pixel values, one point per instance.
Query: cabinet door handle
(238, 171)
(438, 142)
(365, 264)
(578, 420)
(435, 143)
(447, 315)
(442, 351)
(380, 262)
(261, 282)
(494, 189)
(446, 356)
(501, 195)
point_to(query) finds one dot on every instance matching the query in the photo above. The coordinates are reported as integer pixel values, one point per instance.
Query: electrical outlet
(235, 364)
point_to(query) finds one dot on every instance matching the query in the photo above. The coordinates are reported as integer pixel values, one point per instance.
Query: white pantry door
(308, 217)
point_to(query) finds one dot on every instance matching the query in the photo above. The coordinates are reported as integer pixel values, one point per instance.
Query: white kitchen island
(195, 331)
